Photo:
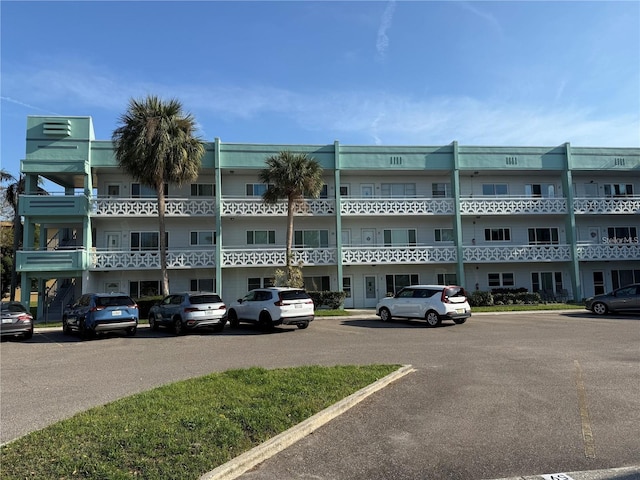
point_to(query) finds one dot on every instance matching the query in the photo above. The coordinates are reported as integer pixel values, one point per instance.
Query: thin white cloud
(382, 41)
(484, 15)
(26, 105)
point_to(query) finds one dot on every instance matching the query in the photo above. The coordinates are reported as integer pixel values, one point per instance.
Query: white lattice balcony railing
(609, 251)
(605, 206)
(374, 255)
(512, 206)
(150, 259)
(517, 253)
(396, 206)
(236, 207)
(145, 207)
(276, 257)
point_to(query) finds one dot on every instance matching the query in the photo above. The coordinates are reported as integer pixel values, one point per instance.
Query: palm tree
(155, 144)
(291, 176)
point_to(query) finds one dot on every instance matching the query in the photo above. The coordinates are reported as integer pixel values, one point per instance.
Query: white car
(189, 311)
(273, 306)
(433, 303)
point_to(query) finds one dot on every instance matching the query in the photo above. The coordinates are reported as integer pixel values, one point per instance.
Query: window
(547, 190)
(441, 190)
(495, 189)
(543, 236)
(256, 189)
(620, 278)
(261, 237)
(142, 191)
(622, 235)
(146, 240)
(398, 189)
(202, 285)
(618, 190)
(497, 234)
(345, 190)
(113, 190)
(144, 288)
(311, 238)
(397, 282)
(444, 234)
(546, 282)
(203, 190)
(317, 284)
(257, 282)
(400, 237)
(501, 279)
(447, 279)
(206, 237)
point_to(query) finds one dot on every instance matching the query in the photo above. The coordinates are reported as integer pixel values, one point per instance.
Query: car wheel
(178, 327)
(599, 308)
(265, 323)
(459, 321)
(152, 322)
(385, 315)
(432, 318)
(218, 328)
(303, 325)
(233, 319)
(131, 331)
(28, 334)
(85, 333)
(66, 329)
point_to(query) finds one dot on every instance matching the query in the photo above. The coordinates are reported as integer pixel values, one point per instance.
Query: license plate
(460, 310)
(7, 320)
(298, 305)
(116, 313)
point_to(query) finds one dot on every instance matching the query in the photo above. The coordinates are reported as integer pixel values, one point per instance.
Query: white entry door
(368, 236)
(370, 291)
(366, 190)
(347, 288)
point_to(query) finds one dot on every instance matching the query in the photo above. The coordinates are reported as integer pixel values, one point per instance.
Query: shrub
(481, 299)
(145, 304)
(328, 299)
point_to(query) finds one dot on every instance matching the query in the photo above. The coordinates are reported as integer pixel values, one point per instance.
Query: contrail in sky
(382, 44)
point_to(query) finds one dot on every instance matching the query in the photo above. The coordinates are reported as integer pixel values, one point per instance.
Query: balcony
(396, 206)
(54, 205)
(276, 257)
(607, 206)
(148, 207)
(513, 206)
(255, 206)
(517, 253)
(376, 255)
(608, 251)
(150, 259)
(61, 260)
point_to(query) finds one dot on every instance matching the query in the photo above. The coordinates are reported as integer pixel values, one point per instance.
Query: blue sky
(363, 73)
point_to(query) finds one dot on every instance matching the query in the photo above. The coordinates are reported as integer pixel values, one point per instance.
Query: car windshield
(294, 295)
(200, 299)
(114, 301)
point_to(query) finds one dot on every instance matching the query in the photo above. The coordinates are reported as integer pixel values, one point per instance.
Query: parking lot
(501, 395)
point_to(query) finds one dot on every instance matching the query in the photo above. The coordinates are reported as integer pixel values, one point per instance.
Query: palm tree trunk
(163, 239)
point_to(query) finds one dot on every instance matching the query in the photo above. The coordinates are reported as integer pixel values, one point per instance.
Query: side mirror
(239, 300)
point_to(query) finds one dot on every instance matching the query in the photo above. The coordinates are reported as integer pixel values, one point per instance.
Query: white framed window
(398, 189)
(441, 190)
(201, 285)
(399, 237)
(618, 190)
(397, 282)
(113, 190)
(497, 234)
(317, 283)
(203, 190)
(500, 279)
(622, 235)
(444, 235)
(447, 279)
(311, 238)
(543, 236)
(143, 191)
(144, 288)
(202, 238)
(256, 189)
(547, 282)
(261, 237)
(620, 278)
(146, 240)
(495, 189)
(546, 190)
(345, 190)
(257, 282)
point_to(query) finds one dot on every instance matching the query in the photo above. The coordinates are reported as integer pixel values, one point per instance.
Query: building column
(218, 213)
(336, 173)
(457, 220)
(570, 227)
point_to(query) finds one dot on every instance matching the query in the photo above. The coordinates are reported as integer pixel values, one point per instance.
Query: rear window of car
(455, 292)
(114, 301)
(200, 299)
(13, 307)
(294, 295)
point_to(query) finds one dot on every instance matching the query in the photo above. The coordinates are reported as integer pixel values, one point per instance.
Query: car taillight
(279, 303)
(222, 307)
(24, 318)
(95, 309)
(191, 309)
(135, 305)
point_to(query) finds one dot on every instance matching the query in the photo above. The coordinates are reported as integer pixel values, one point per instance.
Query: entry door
(368, 236)
(346, 238)
(347, 283)
(370, 291)
(366, 190)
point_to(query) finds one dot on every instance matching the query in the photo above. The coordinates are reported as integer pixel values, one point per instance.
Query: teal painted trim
(457, 226)
(218, 201)
(571, 230)
(54, 206)
(253, 156)
(336, 174)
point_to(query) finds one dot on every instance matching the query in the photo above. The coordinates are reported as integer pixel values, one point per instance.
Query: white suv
(434, 303)
(273, 306)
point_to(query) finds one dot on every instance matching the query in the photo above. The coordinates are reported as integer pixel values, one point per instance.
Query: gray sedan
(625, 299)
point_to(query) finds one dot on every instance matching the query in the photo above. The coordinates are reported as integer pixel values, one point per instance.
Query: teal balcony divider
(52, 205)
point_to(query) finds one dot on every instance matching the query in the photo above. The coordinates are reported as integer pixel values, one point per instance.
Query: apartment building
(560, 220)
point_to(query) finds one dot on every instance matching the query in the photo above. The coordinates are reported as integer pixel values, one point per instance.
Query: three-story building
(562, 220)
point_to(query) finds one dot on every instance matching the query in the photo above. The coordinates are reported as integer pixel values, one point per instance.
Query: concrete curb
(239, 465)
(623, 473)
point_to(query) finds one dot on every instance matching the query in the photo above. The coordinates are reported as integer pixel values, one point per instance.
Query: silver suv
(189, 311)
(433, 303)
(273, 306)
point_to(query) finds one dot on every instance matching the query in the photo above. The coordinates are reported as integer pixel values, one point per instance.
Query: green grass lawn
(182, 430)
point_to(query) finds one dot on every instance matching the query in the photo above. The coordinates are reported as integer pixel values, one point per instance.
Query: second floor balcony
(150, 259)
(147, 207)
